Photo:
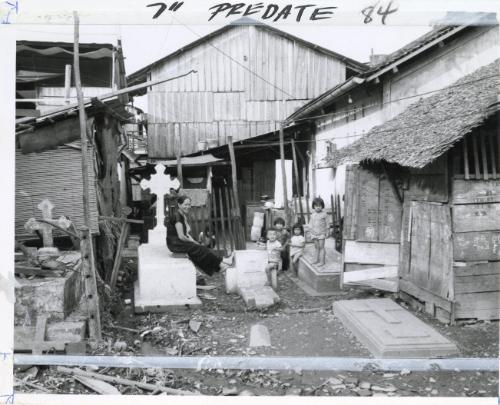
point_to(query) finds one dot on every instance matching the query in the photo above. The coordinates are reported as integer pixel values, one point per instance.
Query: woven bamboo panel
(55, 175)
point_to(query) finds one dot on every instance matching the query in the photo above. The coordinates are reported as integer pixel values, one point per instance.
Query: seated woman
(179, 240)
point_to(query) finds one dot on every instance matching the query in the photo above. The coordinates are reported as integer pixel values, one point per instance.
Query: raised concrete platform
(390, 331)
(164, 281)
(324, 279)
(53, 296)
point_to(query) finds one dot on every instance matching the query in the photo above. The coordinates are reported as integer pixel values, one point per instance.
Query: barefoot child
(297, 243)
(319, 228)
(273, 247)
(283, 236)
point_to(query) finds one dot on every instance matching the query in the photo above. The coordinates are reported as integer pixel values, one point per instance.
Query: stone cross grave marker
(160, 184)
(46, 229)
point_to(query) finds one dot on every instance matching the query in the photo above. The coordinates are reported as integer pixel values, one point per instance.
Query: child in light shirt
(274, 248)
(297, 243)
(319, 229)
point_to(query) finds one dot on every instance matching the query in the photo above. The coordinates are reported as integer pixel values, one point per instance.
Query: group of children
(281, 246)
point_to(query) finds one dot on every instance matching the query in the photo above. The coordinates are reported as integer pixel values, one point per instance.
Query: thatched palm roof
(431, 126)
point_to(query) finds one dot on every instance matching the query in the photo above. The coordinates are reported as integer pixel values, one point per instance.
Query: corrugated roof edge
(140, 75)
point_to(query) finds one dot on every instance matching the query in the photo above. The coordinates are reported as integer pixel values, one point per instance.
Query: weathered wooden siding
(225, 98)
(55, 175)
(55, 96)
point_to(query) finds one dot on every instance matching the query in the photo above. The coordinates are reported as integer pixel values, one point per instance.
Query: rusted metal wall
(55, 175)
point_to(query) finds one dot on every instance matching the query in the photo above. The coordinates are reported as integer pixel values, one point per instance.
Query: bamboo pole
(86, 245)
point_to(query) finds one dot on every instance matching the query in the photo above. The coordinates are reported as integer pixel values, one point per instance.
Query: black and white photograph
(265, 199)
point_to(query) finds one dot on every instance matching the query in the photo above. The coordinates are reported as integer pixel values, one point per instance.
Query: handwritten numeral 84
(368, 12)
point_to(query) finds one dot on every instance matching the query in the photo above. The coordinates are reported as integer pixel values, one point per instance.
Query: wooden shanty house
(346, 112)
(44, 79)
(249, 77)
(48, 148)
(428, 186)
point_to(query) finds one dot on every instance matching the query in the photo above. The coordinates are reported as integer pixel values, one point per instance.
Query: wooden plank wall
(55, 175)
(372, 221)
(55, 96)
(476, 239)
(224, 98)
(372, 209)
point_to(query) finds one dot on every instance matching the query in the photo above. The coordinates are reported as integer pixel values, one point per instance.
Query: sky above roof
(144, 44)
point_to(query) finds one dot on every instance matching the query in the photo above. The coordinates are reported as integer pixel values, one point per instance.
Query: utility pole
(88, 262)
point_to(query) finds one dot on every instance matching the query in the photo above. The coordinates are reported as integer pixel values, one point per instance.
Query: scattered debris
(124, 381)
(194, 325)
(120, 346)
(98, 386)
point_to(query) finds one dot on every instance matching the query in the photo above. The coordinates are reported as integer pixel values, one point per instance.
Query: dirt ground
(224, 329)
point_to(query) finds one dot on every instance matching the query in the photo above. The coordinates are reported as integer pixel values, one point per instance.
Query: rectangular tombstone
(390, 331)
(164, 281)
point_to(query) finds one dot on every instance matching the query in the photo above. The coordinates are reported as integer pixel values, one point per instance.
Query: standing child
(273, 247)
(297, 243)
(283, 236)
(319, 229)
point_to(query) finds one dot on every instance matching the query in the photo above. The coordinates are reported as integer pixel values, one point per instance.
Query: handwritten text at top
(383, 11)
(11, 7)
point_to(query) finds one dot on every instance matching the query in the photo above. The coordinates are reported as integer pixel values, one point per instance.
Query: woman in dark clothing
(179, 240)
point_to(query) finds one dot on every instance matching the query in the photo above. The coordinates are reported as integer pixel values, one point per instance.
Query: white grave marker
(164, 281)
(46, 229)
(160, 184)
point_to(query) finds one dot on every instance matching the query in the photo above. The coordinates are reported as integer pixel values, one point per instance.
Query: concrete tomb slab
(390, 331)
(248, 271)
(54, 296)
(249, 280)
(165, 280)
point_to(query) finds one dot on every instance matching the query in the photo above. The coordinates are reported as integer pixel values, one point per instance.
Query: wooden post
(234, 172)
(67, 83)
(216, 225)
(283, 173)
(88, 263)
(90, 284)
(118, 256)
(223, 226)
(232, 239)
(237, 208)
(179, 162)
(297, 183)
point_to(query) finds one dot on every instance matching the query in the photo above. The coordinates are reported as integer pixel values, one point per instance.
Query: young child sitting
(319, 229)
(284, 238)
(273, 247)
(207, 238)
(297, 243)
